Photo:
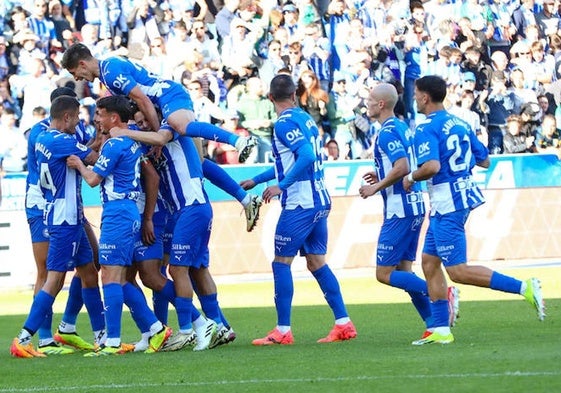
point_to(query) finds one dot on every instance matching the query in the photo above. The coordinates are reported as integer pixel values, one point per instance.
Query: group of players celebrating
(157, 214)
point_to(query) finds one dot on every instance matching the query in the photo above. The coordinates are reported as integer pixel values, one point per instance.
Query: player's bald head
(385, 92)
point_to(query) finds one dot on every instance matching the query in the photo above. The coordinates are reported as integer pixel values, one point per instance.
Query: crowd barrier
(520, 220)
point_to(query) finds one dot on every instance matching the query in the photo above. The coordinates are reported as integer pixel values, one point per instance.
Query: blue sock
(162, 298)
(331, 290)
(500, 282)
(407, 281)
(160, 304)
(42, 305)
(421, 302)
(184, 306)
(284, 291)
(114, 299)
(223, 319)
(45, 330)
(135, 300)
(439, 311)
(94, 305)
(209, 304)
(195, 314)
(221, 179)
(210, 132)
(75, 302)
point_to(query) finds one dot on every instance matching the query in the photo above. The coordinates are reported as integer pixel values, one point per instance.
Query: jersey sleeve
(392, 145)
(426, 145)
(289, 134)
(119, 77)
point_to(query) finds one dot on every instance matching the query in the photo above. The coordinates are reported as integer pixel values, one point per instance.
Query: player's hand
(407, 184)
(73, 162)
(271, 192)
(370, 177)
(148, 236)
(367, 191)
(247, 184)
(156, 152)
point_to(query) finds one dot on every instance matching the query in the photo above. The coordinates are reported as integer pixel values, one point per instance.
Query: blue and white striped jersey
(395, 141)
(181, 173)
(446, 138)
(60, 185)
(119, 165)
(294, 128)
(34, 199)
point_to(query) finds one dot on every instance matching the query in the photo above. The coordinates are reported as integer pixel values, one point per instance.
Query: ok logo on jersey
(103, 161)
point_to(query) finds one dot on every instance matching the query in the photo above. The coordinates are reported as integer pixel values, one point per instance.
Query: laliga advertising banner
(520, 220)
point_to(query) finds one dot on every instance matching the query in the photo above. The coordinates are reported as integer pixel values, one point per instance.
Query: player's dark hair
(62, 91)
(116, 104)
(282, 87)
(434, 86)
(74, 54)
(62, 105)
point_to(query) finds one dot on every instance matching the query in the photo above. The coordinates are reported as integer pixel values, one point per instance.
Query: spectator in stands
(205, 110)
(272, 64)
(416, 61)
(316, 51)
(257, 115)
(63, 29)
(474, 63)
(523, 93)
(515, 140)
(331, 151)
(238, 54)
(522, 17)
(225, 17)
(548, 19)
(179, 43)
(205, 45)
(341, 115)
(13, 146)
(545, 105)
(313, 99)
(7, 101)
(42, 26)
(547, 138)
(223, 153)
(158, 61)
(296, 62)
(542, 67)
(290, 22)
(498, 104)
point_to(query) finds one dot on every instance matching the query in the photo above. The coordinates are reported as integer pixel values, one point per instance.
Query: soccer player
(181, 173)
(68, 245)
(446, 150)
(117, 171)
(34, 204)
(403, 212)
(122, 77)
(302, 226)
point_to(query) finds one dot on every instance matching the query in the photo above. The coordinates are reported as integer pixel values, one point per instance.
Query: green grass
(500, 347)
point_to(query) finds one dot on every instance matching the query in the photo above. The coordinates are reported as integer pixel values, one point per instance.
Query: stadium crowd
(500, 59)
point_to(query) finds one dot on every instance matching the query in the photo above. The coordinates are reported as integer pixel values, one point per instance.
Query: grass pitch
(500, 347)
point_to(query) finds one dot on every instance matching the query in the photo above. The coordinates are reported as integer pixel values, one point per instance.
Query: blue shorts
(301, 230)
(68, 248)
(446, 237)
(398, 240)
(38, 229)
(120, 229)
(168, 233)
(191, 236)
(143, 252)
(174, 99)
